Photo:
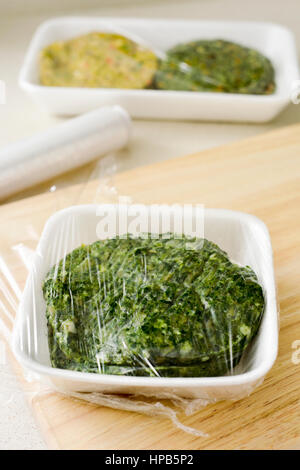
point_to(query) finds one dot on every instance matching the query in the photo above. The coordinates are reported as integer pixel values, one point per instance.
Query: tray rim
(42, 92)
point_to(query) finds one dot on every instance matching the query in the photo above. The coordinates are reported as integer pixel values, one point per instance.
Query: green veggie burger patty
(215, 65)
(174, 307)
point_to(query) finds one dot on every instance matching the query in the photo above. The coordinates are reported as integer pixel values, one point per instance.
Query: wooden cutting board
(261, 176)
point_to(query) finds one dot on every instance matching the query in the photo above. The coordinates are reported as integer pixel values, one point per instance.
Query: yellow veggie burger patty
(103, 60)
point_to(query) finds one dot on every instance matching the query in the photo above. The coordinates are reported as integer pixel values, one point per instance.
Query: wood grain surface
(261, 176)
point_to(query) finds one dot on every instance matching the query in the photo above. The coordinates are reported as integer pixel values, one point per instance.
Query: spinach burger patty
(174, 307)
(217, 65)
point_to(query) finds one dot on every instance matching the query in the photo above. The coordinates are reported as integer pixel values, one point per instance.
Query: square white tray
(244, 237)
(274, 41)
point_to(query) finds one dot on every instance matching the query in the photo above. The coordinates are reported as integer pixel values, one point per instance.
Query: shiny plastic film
(154, 307)
(151, 308)
(119, 58)
(143, 307)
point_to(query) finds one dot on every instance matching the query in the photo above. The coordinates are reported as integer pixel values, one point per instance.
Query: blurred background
(152, 140)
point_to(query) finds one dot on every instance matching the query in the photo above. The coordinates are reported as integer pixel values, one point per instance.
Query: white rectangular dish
(274, 41)
(246, 240)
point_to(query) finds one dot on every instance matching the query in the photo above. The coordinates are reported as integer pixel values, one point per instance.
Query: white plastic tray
(275, 41)
(244, 237)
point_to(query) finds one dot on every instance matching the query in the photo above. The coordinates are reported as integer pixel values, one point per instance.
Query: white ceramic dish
(275, 41)
(246, 240)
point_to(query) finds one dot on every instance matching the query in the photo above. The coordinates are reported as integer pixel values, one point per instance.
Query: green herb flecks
(151, 307)
(217, 65)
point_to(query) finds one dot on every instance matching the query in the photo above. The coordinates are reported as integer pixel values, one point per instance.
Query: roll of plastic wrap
(62, 148)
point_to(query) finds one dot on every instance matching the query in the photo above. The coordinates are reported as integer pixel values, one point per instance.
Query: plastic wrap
(169, 318)
(126, 304)
(144, 306)
(67, 146)
(119, 58)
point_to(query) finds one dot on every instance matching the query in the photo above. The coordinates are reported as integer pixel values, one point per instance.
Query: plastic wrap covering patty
(173, 307)
(218, 65)
(104, 60)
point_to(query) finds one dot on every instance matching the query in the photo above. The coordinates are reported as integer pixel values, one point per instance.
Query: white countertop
(152, 140)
